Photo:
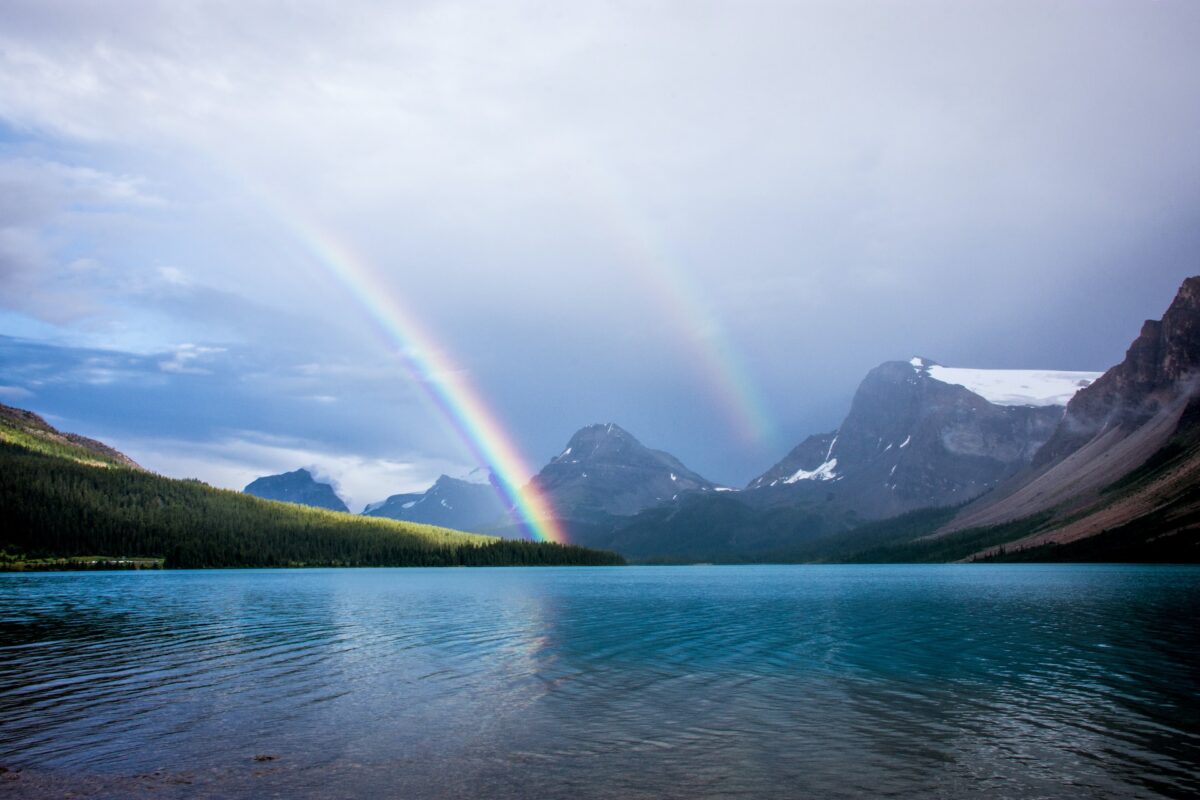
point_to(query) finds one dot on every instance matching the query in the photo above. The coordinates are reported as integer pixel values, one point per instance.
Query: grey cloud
(835, 184)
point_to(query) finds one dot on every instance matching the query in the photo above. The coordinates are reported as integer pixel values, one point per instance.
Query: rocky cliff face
(911, 440)
(1160, 367)
(1128, 446)
(604, 471)
(297, 486)
(450, 503)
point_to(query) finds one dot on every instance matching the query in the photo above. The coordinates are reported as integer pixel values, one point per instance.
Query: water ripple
(992, 681)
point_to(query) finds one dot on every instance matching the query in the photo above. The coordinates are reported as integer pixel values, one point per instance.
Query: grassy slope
(60, 499)
(28, 430)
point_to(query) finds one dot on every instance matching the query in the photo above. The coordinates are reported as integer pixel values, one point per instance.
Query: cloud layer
(627, 212)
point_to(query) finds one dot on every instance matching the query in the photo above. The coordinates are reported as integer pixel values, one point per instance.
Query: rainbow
(458, 401)
(648, 258)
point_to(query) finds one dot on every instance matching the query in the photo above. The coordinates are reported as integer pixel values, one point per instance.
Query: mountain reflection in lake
(790, 681)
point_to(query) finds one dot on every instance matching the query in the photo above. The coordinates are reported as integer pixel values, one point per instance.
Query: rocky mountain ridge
(1126, 452)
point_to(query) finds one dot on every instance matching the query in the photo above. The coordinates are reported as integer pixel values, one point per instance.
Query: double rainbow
(462, 405)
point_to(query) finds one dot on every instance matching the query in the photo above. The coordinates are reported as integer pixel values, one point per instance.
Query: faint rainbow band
(458, 401)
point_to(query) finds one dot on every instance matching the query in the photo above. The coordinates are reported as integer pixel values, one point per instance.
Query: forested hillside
(59, 500)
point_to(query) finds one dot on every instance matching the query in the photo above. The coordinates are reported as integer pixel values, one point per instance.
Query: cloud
(182, 361)
(200, 392)
(832, 184)
(15, 392)
(234, 460)
(44, 206)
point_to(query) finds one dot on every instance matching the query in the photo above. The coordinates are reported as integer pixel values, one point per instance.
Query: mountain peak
(1140, 415)
(298, 486)
(918, 435)
(598, 442)
(1158, 372)
(603, 430)
(604, 469)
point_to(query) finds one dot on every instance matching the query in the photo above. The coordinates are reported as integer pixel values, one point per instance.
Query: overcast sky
(704, 222)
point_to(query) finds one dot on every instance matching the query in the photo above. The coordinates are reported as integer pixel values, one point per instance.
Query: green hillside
(63, 501)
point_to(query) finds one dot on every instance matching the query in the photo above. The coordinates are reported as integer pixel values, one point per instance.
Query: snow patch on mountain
(822, 473)
(1011, 387)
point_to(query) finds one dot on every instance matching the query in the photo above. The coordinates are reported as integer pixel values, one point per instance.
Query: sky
(241, 237)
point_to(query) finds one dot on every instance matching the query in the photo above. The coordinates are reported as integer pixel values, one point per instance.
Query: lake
(638, 682)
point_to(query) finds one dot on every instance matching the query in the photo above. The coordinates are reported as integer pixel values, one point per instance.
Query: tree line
(57, 508)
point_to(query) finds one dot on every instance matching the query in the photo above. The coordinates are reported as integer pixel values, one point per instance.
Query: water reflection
(672, 682)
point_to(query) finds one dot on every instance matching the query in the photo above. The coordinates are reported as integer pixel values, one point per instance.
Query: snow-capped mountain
(298, 486)
(917, 435)
(1012, 387)
(1123, 465)
(920, 434)
(605, 471)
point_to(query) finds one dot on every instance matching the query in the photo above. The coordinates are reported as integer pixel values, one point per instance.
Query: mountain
(450, 502)
(921, 435)
(918, 436)
(298, 486)
(21, 427)
(69, 502)
(605, 472)
(1123, 465)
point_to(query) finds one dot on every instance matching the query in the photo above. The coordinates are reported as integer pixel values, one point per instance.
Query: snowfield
(1012, 387)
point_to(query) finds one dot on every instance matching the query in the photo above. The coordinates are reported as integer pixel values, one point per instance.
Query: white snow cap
(822, 473)
(1012, 387)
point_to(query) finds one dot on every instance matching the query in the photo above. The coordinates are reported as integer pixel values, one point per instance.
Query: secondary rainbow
(647, 257)
(454, 396)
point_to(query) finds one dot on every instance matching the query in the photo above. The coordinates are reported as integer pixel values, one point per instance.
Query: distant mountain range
(934, 463)
(603, 474)
(930, 463)
(69, 502)
(918, 435)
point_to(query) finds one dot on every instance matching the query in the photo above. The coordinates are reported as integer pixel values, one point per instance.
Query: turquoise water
(642, 682)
